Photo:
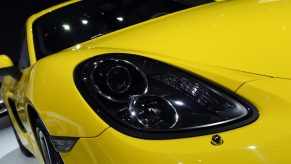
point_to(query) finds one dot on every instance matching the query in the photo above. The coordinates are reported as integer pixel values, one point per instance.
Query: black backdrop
(13, 15)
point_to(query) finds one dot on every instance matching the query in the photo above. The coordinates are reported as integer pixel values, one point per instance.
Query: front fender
(52, 92)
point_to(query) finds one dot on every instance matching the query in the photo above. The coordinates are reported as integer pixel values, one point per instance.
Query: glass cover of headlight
(145, 98)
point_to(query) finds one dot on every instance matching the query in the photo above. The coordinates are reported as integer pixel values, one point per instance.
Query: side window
(24, 56)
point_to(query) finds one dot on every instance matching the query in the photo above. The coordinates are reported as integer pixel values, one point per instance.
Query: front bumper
(267, 140)
(113, 147)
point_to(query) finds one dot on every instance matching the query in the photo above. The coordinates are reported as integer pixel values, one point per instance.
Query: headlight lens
(117, 80)
(149, 99)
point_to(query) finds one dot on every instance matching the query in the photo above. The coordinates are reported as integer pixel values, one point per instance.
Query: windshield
(85, 20)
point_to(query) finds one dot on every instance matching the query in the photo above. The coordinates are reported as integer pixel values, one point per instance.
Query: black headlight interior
(146, 98)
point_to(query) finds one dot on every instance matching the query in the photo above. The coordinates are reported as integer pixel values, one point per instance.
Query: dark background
(13, 15)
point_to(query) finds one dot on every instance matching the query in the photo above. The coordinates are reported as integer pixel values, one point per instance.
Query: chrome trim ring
(3, 108)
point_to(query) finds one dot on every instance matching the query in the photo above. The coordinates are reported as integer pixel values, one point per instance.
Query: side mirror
(7, 68)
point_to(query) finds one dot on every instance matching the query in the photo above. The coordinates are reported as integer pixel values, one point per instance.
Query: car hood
(246, 35)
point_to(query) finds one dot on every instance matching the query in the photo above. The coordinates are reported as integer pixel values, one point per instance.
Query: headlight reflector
(116, 80)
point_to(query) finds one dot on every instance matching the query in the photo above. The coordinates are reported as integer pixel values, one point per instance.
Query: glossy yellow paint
(5, 61)
(265, 141)
(243, 145)
(72, 116)
(231, 47)
(247, 35)
(27, 139)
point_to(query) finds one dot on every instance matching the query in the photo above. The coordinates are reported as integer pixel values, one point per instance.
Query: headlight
(145, 98)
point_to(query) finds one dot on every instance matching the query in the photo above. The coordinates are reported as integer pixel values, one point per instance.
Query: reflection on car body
(168, 81)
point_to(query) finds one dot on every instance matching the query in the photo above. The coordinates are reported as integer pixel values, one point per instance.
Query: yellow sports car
(154, 81)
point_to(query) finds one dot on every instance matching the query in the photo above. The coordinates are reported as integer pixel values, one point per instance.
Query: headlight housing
(146, 98)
